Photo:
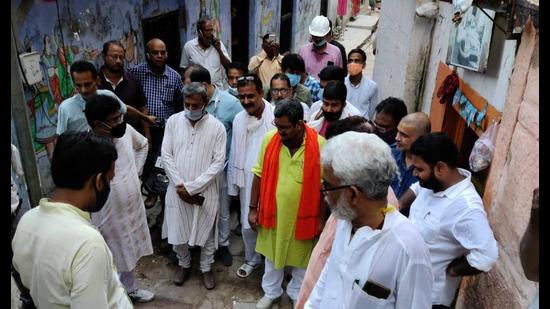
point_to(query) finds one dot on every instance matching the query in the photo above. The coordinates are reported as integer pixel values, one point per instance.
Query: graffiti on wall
(76, 32)
(266, 20)
(304, 12)
(218, 11)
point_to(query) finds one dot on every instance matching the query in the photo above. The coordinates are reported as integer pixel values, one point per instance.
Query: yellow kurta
(279, 243)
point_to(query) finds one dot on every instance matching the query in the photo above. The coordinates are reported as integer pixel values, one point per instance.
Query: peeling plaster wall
(265, 17)
(492, 84)
(402, 48)
(303, 13)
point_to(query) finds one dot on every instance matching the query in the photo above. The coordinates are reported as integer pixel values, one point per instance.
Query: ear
(98, 182)
(354, 196)
(440, 169)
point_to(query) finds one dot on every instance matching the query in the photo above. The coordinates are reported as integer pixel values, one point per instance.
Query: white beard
(342, 210)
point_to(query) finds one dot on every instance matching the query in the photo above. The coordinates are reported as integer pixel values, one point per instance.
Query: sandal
(246, 269)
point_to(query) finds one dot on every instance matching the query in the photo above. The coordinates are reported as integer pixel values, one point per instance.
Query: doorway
(286, 26)
(324, 7)
(165, 27)
(239, 31)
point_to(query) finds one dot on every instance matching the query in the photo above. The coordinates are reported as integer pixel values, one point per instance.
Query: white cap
(319, 26)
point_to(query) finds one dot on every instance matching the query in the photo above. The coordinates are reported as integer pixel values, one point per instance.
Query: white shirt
(192, 156)
(64, 261)
(364, 96)
(453, 223)
(304, 107)
(208, 58)
(394, 257)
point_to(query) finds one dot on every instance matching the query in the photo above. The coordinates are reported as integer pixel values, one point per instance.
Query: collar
(196, 44)
(46, 204)
(391, 219)
(454, 190)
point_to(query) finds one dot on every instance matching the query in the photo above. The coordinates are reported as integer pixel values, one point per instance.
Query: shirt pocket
(168, 96)
(429, 228)
(361, 299)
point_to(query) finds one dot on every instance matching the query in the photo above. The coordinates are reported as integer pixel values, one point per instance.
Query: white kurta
(193, 157)
(394, 257)
(122, 221)
(248, 134)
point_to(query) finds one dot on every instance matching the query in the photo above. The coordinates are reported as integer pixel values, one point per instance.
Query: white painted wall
(492, 84)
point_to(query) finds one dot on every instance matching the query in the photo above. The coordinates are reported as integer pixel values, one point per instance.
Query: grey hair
(363, 160)
(195, 88)
(291, 108)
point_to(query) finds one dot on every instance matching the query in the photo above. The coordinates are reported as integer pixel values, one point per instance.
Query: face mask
(388, 137)
(233, 91)
(101, 197)
(320, 44)
(118, 130)
(294, 79)
(355, 68)
(194, 115)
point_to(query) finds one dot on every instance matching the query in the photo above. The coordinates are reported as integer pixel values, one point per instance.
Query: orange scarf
(310, 199)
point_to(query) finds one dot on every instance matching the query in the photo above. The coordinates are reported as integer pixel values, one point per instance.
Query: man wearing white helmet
(318, 54)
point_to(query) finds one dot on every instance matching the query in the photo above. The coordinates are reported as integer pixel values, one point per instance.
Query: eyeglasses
(282, 128)
(326, 187)
(156, 52)
(283, 91)
(243, 79)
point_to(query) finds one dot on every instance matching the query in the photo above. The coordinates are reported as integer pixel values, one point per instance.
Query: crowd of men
(364, 205)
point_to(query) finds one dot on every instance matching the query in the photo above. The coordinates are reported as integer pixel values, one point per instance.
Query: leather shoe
(208, 280)
(182, 274)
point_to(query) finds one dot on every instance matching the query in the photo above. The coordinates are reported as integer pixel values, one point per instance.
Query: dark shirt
(343, 52)
(401, 183)
(128, 90)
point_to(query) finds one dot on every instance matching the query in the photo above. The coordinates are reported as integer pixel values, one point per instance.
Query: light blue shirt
(224, 107)
(364, 96)
(71, 117)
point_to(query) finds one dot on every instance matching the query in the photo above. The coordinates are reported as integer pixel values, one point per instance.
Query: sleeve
(224, 51)
(373, 102)
(415, 187)
(140, 146)
(184, 57)
(316, 296)
(218, 159)
(61, 120)
(257, 169)
(473, 232)
(123, 108)
(168, 155)
(415, 286)
(141, 99)
(232, 188)
(254, 64)
(90, 271)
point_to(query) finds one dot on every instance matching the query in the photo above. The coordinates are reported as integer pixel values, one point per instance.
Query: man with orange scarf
(285, 203)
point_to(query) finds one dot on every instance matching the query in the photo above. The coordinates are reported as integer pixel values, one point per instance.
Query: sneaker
(141, 296)
(266, 302)
(225, 256)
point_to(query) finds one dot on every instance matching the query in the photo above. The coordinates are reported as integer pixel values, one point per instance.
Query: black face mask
(332, 116)
(432, 183)
(388, 137)
(119, 130)
(101, 197)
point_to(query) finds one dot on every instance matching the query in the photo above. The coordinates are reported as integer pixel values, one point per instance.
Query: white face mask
(194, 115)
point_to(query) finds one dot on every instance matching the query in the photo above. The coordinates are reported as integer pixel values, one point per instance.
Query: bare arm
(223, 59)
(460, 267)
(405, 202)
(254, 198)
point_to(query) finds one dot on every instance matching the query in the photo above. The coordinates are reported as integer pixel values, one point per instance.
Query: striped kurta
(193, 157)
(122, 221)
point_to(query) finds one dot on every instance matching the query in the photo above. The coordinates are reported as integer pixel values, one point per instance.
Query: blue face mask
(194, 115)
(294, 79)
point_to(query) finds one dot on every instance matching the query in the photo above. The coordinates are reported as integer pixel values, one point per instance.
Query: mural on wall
(76, 33)
(266, 20)
(304, 12)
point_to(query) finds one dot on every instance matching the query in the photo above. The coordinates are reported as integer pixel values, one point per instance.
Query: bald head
(156, 53)
(410, 128)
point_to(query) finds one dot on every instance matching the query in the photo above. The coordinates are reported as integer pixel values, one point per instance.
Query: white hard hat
(319, 26)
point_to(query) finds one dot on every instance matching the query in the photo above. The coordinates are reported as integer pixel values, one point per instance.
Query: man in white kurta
(193, 154)
(248, 133)
(123, 222)
(378, 257)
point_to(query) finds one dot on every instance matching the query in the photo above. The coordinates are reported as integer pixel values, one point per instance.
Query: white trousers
(128, 280)
(224, 228)
(207, 254)
(273, 279)
(249, 239)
